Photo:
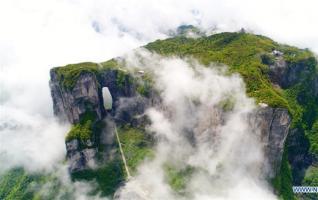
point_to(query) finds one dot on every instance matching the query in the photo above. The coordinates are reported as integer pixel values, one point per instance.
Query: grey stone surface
(71, 104)
(287, 74)
(274, 126)
(72, 145)
(80, 159)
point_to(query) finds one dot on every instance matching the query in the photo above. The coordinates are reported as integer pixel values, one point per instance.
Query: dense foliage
(80, 131)
(136, 145)
(15, 185)
(313, 137)
(108, 177)
(311, 179)
(283, 181)
(18, 184)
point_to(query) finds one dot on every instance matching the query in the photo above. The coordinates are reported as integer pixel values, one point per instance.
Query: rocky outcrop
(131, 110)
(80, 159)
(277, 70)
(118, 82)
(286, 74)
(274, 126)
(84, 97)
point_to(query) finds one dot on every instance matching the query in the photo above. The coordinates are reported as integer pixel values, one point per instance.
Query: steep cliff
(282, 77)
(274, 125)
(73, 103)
(80, 101)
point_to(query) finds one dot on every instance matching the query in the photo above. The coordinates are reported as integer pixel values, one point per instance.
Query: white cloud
(194, 131)
(32, 141)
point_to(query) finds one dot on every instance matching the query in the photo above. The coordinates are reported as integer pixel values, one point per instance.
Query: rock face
(274, 126)
(119, 85)
(287, 74)
(72, 104)
(130, 110)
(80, 159)
(87, 97)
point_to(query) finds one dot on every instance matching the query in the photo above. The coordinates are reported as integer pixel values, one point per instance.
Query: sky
(36, 35)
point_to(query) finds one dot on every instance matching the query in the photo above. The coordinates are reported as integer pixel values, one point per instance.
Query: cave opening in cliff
(107, 98)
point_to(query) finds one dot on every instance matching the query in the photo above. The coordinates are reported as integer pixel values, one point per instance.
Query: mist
(194, 130)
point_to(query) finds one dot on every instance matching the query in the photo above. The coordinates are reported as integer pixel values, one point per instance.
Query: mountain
(101, 100)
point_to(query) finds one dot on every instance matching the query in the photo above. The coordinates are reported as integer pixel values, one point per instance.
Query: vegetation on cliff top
(242, 52)
(69, 74)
